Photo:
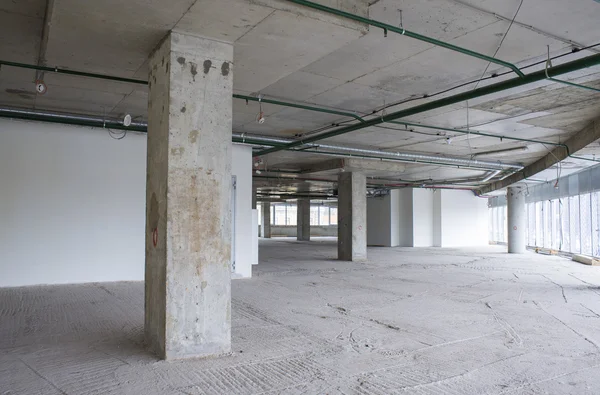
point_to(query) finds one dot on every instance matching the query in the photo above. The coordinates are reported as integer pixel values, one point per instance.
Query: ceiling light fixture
(127, 120)
(40, 87)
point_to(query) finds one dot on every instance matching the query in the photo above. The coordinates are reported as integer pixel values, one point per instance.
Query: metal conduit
(407, 33)
(300, 106)
(72, 72)
(100, 122)
(404, 156)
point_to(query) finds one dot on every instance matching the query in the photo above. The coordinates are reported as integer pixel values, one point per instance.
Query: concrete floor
(415, 321)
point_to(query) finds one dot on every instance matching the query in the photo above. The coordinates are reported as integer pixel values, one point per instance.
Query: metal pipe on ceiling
(483, 91)
(300, 106)
(111, 123)
(407, 157)
(400, 30)
(72, 72)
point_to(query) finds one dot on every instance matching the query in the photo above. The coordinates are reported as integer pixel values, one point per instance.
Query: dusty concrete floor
(414, 321)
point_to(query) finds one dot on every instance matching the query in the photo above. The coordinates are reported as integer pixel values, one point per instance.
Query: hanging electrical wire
(116, 135)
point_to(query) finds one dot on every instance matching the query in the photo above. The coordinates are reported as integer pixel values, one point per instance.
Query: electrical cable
(116, 136)
(486, 69)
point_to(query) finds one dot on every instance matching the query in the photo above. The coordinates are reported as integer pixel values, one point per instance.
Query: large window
(287, 214)
(570, 224)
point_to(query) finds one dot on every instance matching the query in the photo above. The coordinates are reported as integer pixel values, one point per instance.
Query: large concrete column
(254, 192)
(352, 216)
(516, 220)
(303, 220)
(265, 228)
(188, 198)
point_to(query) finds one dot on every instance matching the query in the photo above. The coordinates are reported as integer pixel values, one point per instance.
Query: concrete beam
(585, 137)
(351, 164)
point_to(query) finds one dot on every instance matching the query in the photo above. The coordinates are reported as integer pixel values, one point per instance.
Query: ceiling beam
(585, 137)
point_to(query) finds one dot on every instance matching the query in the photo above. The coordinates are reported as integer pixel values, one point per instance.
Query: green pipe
(134, 81)
(549, 63)
(573, 84)
(109, 124)
(301, 106)
(483, 91)
(72, 72)
(405, 32)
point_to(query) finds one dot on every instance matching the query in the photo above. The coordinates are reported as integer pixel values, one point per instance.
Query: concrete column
(303, 220)
(265, 228)
(352, 216)
(188, 198)
(254, 192)
(516, 220)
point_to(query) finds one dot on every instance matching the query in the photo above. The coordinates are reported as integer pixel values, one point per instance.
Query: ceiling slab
(214, 18)
(282, 44)
(21, 35)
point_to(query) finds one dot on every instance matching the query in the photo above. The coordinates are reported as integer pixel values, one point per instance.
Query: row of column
(302, 220)
(352, 217)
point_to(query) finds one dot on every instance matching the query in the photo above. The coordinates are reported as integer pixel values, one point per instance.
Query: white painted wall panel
(379, 221)
(241, 167)
(405, 217)
(72, 205)
(422, 218)
(462, 220)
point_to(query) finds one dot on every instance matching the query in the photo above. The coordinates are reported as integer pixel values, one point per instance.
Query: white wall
(241, 167)
(437, 218)
(405, 217)
(379, 221)
(394, 214)
(422, 217)
(461, 219)
(72, 205)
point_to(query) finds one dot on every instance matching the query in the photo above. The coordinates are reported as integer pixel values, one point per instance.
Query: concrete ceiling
(292, 53)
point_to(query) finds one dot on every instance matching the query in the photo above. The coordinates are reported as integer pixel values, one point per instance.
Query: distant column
(516, 220)
(303, 220)
(265, 228)
(352, 216)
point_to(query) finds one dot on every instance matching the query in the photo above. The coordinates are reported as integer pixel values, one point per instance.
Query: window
(531, 224)
(565, 224)
(292, 215)
(585, 216)
(556, 233)
(574, 228)
(279, 218)
(595, 224)
(547, 221)
(570, 224)
(259, 209)
(333, 215)
(323, 215)
(314, 215)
